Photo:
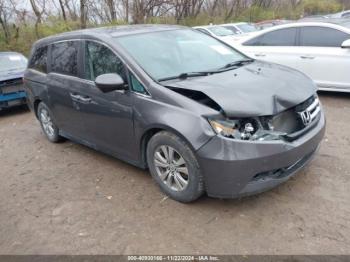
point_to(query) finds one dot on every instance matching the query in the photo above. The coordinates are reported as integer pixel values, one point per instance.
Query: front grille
(11, 86)
(14, 81)
(296, 118)
(312, 110)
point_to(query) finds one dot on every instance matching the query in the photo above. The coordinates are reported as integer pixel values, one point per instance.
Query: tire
(170, 172)
(47, 124)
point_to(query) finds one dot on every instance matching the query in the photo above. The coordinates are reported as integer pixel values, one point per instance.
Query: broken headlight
(238, 129)
(244, 129)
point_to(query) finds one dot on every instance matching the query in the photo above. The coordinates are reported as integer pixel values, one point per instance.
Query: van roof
(111, 31)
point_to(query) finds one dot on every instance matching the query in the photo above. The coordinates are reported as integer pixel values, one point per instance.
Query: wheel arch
(36, 103)
(150, 132)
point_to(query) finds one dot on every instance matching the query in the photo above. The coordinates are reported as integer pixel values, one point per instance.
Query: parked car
(223, 33)
(313, 18)
(201, 116)
(241, 28)
(339, 21)
(320, 50)
(12, 66)
(343, 14)
(218, 32)
(271, 23)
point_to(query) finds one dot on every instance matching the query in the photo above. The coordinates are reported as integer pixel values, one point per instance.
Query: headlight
(243, 129)
(226, 128)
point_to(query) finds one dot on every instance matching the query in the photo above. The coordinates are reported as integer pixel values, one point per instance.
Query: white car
(241, 28)
(344, 14)
(320, 50)
(218, 32)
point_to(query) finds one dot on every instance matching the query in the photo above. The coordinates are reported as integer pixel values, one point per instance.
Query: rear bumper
(234, 168)
(12, 99)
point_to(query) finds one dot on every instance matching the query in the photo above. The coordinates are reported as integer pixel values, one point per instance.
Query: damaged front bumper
(235, 168)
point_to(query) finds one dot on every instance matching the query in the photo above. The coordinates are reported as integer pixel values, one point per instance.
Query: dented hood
(257, 89)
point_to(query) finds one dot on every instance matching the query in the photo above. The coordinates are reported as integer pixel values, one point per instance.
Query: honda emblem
(305, 117)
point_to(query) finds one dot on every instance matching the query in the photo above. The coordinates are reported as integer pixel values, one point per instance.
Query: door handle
(260, 55)
(75, 96)
(79, 98)
(307, 57)
(85, 99)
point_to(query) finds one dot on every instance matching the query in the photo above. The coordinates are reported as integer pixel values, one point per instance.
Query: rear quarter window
(39, 60)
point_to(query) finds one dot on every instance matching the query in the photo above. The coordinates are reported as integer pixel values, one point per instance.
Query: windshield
(220, 31)
(247, 28)
(171, 53)
(12, 62)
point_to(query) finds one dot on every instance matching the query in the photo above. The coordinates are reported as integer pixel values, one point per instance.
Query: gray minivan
(201, 116)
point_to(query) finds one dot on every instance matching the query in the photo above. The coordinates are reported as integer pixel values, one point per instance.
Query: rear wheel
(47, 124)
(174, 167)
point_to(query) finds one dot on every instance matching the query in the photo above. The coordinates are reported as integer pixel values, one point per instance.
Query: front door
(107, 117)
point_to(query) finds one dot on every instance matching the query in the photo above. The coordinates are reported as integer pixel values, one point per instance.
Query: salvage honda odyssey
(201, 116)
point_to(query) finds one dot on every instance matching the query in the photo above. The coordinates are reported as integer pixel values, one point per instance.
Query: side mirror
(109, 82)
(346, 44)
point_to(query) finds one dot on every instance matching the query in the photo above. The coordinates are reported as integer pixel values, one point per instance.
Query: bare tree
(126, 7)
(38, 7)
(83, 13)
(112, 9)
(71, 6)
(4, 16)
(63, 10)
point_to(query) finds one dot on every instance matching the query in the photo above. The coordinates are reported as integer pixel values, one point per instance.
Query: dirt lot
(68, 199)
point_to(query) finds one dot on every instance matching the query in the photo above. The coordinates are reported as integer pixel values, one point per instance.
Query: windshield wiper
(206, 73)
(186, 75)
(236, 64)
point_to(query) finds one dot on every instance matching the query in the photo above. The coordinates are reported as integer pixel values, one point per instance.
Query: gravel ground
(69, 199)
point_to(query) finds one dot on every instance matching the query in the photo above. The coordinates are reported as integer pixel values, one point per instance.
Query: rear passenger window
(322, 37)
(100, 60)
(39, 60)
(282, 37)
(65, 58)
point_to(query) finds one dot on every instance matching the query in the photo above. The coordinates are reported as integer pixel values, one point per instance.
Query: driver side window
(100, 60)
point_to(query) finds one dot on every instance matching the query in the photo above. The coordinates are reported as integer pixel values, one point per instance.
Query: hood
(257, 89)
(7, 75)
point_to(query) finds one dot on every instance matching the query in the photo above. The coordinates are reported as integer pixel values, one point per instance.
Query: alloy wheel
(171, 168)
(47, 123)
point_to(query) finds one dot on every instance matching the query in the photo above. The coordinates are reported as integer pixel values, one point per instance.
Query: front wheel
(174, 167)
(47, 124)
